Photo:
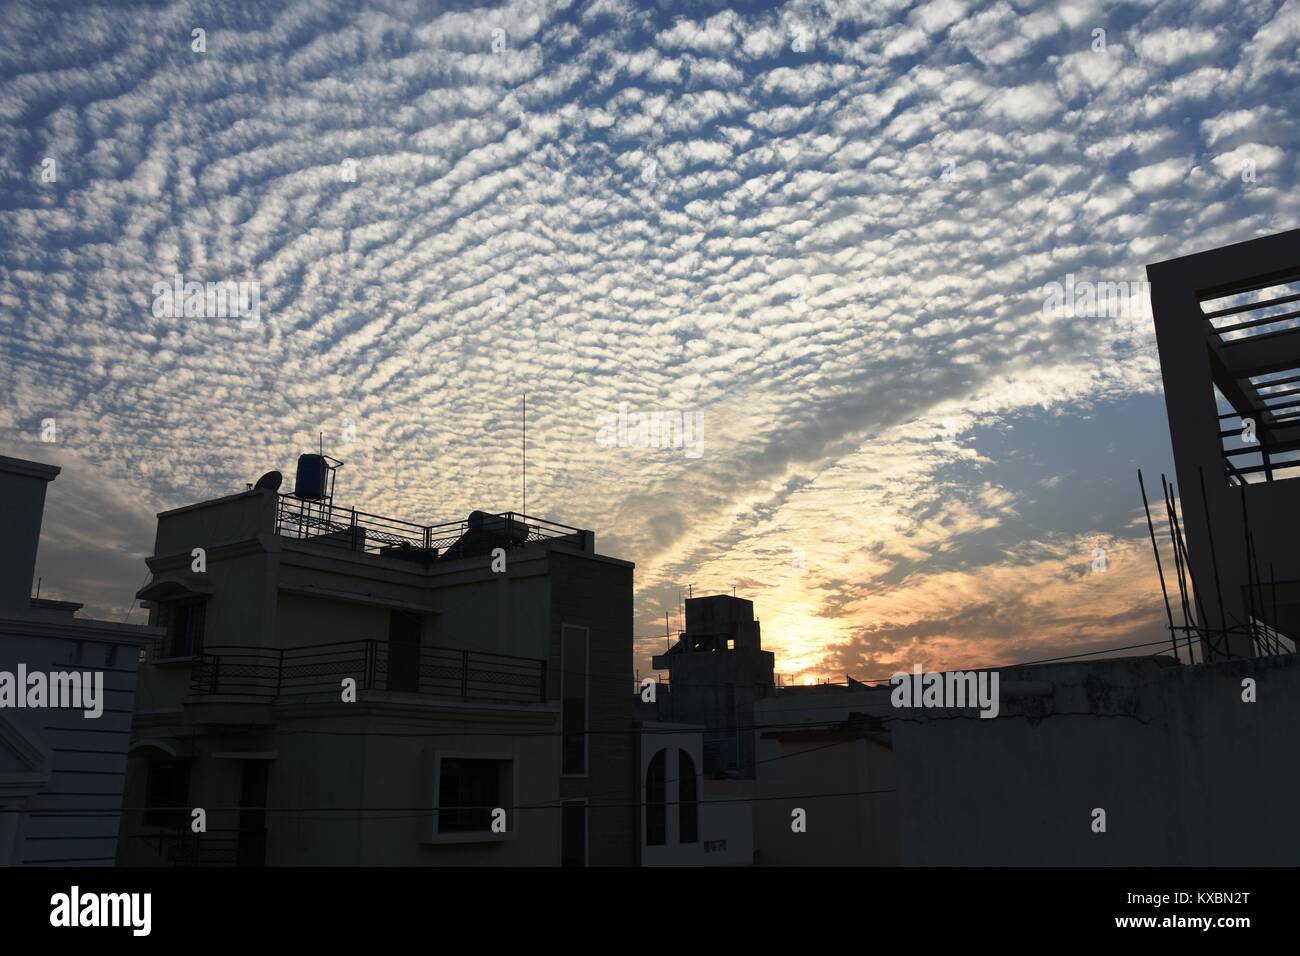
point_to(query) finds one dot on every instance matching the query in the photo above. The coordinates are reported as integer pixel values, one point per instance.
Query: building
(684, 820)
(337, 687)
(826, 751)
(1160, 760)
(717, 670)
(767, 753)
(1228, 331)
(1177, 759)
(62, 768)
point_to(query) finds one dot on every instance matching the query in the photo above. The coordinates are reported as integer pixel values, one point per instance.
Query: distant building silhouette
(717, 670)
(61, 771)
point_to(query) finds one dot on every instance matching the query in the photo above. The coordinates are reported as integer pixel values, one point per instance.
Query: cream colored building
(336, 687)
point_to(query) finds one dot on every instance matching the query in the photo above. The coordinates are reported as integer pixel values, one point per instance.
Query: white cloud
(1173, 45)
(1031, 103)
(627, 204)
(1252, 156)
(1158, 176)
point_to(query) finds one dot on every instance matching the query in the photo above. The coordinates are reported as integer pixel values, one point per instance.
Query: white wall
(86, 756)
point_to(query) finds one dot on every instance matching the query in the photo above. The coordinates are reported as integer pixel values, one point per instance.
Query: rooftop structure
(717, 670)
(1227, 325)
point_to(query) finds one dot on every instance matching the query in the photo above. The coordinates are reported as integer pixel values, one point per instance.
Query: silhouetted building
(684, 822)
(1228, 329)
(717, 670)
(61, 767)
(1121, 762)
(832, 741)
(338, 687)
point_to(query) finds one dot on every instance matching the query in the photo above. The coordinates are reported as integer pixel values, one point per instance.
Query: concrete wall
(22, 506)
(726, 825)
(798, 768)
(596, 594)
(383, 758)
(497, 613)
(239, 517)
(850, 808)
(1188, 774)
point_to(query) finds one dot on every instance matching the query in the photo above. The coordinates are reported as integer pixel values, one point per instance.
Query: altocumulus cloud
(825, 226)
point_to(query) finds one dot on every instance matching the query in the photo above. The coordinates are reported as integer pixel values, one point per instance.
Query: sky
(818, 236)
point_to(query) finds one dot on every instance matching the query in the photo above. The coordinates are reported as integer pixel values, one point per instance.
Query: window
(469, 789)
(573, 700)
(573, 833)
(167, 793)
(185, 620)
(688, 802)
(656, 800)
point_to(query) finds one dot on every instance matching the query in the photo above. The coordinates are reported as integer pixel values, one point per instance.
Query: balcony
(179, 846)
(267, 674)
(320, 522)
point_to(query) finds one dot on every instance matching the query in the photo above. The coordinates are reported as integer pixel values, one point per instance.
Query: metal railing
(279, 673)
(323, 523)
(179, 846)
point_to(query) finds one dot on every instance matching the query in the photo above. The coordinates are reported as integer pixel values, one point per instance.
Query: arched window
(688, 799)
(656, 800)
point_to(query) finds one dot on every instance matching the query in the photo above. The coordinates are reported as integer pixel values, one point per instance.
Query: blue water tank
(312, 479)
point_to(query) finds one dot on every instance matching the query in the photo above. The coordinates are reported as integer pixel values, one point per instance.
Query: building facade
(342, 688)
(62, 767)
(1228, 331)
(717, 670)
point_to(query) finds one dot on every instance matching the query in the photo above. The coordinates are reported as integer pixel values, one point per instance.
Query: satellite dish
(270, 481)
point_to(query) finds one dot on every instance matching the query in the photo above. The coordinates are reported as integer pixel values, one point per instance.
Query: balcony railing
(279, 673)
(179, 846)
(323, 523)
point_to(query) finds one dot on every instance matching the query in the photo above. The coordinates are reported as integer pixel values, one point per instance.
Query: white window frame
(484, 836)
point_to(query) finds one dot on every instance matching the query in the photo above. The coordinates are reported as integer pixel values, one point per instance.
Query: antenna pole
(525, 453)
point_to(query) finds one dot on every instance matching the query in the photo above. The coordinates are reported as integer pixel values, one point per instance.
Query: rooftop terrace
(322, 522)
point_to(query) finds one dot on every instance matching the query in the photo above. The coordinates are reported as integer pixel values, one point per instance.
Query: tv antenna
(525, 454)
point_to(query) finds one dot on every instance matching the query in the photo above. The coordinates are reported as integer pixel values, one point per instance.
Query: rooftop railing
(283, 673)
(324, 523)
